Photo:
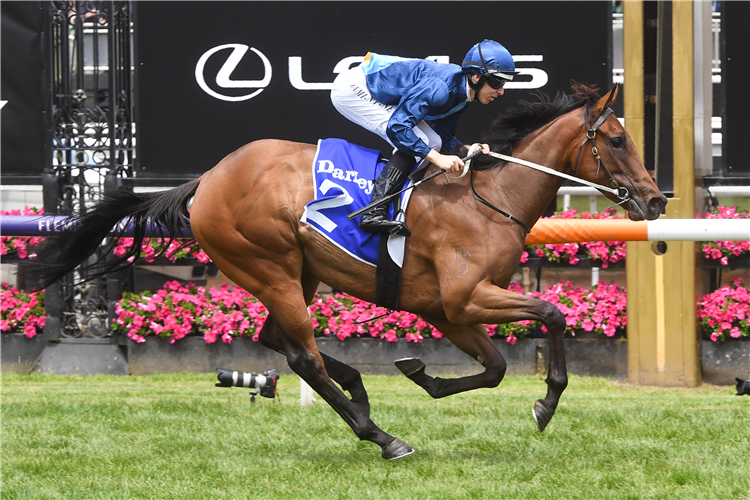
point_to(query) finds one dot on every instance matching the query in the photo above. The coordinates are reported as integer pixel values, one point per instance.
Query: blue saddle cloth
(343, 175)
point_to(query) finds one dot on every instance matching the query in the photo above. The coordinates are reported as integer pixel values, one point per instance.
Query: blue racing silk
(421, 90)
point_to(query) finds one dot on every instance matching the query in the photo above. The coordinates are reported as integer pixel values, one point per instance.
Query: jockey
(415, 104)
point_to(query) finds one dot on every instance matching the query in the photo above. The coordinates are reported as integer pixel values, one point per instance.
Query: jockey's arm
(412, 109)
(446, 128)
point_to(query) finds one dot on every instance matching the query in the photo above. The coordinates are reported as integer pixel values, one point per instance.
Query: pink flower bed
(723, 250)
(338, 315)
(20, 310)
(725, 313)
(179, 310)
(176, 311)
(601, 309)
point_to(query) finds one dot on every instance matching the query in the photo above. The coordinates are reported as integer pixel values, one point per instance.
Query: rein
(479, 198)
(621, 192)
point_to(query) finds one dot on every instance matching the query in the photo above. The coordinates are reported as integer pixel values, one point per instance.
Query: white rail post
(306, 394)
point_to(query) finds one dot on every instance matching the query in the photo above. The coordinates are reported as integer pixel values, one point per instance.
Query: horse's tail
(166, 211)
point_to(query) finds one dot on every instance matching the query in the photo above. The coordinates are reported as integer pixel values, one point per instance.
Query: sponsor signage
(25, 95)
(212, 76)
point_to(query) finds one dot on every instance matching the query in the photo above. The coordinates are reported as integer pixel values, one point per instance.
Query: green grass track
(179, 437)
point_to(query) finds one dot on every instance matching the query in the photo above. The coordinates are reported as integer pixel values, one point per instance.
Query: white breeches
(352, 99)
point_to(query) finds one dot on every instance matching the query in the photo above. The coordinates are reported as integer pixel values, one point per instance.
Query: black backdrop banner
(213, 76)
(25, 116)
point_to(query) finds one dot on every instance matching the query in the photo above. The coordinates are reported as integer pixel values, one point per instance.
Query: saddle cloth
(342, 177)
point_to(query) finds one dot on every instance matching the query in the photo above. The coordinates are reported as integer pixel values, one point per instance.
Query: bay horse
(246, 211)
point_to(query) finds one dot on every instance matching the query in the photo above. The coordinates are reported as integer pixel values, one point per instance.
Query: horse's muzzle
(656, 206)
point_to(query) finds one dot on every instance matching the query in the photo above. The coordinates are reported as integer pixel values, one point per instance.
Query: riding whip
(388, 198)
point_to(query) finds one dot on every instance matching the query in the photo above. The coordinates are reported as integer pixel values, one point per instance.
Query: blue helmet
(489, 58)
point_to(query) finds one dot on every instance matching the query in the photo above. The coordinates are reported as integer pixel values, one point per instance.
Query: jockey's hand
(449, 163)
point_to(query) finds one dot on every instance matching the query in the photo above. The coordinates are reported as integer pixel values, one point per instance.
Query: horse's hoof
(409, 366)
(397, 449)
(542, 415)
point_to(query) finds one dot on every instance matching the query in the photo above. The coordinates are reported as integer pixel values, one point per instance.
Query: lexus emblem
(223, 79)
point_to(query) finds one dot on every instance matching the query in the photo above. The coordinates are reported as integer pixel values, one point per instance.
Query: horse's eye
(618, 142)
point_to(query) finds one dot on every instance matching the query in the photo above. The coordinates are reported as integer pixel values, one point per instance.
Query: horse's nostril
(658, 202)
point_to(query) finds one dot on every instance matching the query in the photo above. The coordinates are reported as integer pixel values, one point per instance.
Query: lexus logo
(223, 79)
(537, 78)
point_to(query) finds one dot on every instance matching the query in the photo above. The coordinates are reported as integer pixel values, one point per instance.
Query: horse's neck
(529, 192)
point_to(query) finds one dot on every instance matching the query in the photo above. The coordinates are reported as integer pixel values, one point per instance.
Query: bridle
(619, 191)
(591, 136)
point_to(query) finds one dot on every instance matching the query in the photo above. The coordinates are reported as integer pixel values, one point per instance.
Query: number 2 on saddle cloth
(343, 174)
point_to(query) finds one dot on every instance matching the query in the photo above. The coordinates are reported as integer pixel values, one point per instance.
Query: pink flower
(29, 330)
(390, 335)
(414, 337)
(133, 335)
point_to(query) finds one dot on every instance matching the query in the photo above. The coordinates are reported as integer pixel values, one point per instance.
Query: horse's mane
(515, 124)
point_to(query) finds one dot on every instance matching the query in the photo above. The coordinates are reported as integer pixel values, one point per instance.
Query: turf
(178, 437)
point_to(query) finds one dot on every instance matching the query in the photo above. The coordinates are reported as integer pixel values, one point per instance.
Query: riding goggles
(495, 82)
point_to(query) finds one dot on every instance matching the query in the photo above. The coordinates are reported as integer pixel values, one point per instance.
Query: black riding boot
(388, 182)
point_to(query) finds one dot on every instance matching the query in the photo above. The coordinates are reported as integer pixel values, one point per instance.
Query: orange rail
(577, 230)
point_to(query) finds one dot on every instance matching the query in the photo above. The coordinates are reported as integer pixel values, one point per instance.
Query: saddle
(342, 178)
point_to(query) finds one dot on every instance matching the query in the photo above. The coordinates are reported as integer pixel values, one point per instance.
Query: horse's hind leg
(304, 358)
(347, 377)
(350, 380)
(474, 341)
(271, 336)
(284, 298)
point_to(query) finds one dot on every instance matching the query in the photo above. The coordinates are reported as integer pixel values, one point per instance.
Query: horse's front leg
(474, 341)
(490, 304)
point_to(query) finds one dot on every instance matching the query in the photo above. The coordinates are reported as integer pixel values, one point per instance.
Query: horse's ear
(603, 103)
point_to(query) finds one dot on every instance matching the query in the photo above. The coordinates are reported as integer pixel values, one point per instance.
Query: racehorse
(246, 211)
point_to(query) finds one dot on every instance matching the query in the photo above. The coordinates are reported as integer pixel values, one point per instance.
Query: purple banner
(50, 225)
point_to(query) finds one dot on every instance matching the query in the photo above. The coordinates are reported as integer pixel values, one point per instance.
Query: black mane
(515, 124)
